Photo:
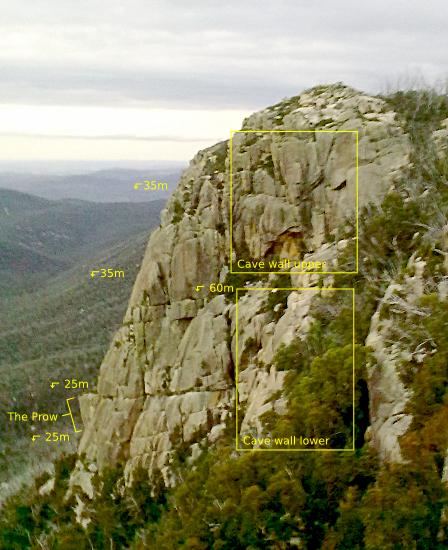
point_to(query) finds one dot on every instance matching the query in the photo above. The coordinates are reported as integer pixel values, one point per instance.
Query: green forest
(59, 323)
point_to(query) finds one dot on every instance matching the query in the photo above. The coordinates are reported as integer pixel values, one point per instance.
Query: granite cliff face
(169, 375)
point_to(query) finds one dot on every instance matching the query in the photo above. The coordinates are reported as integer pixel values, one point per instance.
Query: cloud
(19, 148)
(101, 132)
(148, 87)
(161, 78)
(116, 137)
(111, 122)
(209, 54)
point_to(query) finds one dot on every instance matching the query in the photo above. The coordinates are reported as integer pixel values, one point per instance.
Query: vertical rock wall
(168, 377)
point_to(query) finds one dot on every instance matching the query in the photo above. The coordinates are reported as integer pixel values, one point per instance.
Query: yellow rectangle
(356, 132)
(315, 289)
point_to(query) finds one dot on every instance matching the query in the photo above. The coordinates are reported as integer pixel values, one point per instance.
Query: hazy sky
(148, 79)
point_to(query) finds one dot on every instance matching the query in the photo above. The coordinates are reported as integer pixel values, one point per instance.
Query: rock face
(168, 377)
(388, 395)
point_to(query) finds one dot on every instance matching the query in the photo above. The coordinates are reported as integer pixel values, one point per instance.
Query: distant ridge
(40, 238)
(108, 185)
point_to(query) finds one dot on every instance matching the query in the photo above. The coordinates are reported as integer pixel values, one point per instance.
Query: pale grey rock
(257, 387)
(441, 139)
(82, 479)
(216, 433)
(168, 376)
(388, 394)
(263, 183)
(47, 487)
(186, 309)
(80, 510)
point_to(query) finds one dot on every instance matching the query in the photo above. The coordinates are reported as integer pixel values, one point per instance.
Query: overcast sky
(153, 79)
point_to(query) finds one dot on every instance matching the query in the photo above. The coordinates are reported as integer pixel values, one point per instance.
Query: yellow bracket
(70, 414)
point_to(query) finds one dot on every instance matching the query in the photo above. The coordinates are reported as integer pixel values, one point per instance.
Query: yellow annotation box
(297, 264)
(292, 442)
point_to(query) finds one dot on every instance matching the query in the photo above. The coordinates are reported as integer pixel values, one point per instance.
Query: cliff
(168, 377)
(294, 298)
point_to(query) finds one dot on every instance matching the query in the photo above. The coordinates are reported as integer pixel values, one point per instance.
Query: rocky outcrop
(168, 377)
(440, 137)
(388, 394)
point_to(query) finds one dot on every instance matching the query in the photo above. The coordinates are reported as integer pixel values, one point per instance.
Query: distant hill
(109, 185)
(56, 321)
(59, 331)
(41, 238)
